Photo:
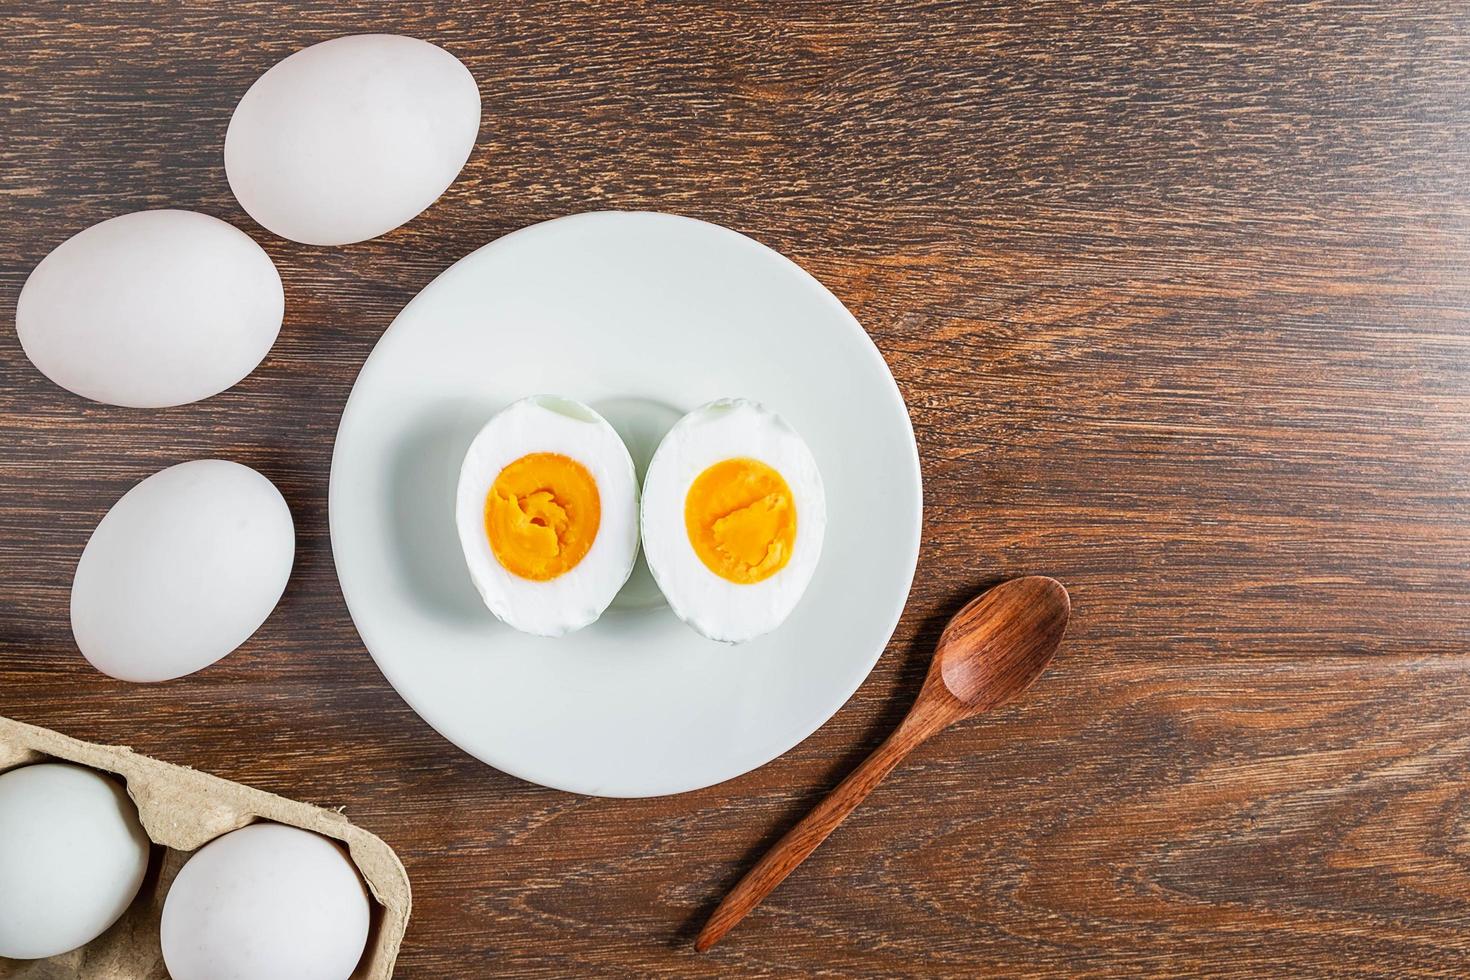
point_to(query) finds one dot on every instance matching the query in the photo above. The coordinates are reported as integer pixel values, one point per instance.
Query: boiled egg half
(547, 512)
(733, 518)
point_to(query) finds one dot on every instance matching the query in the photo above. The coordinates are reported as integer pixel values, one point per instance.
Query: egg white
(719, 609)
(572, 600)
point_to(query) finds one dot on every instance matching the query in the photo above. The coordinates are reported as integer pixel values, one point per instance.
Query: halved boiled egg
(547, 510)
(733, 517)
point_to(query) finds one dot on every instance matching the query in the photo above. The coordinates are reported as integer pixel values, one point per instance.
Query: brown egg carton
(181, 810)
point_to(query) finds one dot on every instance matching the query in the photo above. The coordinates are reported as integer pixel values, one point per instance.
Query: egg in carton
(181, 810)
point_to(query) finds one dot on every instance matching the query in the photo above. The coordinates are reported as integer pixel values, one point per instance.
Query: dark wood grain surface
(1179, 298)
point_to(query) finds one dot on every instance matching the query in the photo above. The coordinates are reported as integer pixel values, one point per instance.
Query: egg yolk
(541, 515)
(741, 520)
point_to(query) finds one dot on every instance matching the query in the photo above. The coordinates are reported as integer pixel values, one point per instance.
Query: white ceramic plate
(644, 316)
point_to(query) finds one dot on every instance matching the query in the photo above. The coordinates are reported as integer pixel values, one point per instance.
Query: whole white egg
(547, 511)
(265, 902)
(350, 138)
(72, 857)
(733, 519)
(182, 570)
(151, 309)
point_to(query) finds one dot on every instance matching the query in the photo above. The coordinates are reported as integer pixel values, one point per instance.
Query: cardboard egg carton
(182, 810)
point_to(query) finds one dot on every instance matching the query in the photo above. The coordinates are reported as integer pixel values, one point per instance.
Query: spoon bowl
(996, 647)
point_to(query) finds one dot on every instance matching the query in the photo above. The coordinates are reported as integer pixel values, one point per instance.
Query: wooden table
(1180, 302)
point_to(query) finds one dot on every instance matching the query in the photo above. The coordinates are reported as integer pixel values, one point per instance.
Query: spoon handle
(801, 840)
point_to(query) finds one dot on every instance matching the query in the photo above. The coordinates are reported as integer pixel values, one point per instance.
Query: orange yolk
(541, 515)
(741, 520)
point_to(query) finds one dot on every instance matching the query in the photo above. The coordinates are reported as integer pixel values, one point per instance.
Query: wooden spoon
(990, 652)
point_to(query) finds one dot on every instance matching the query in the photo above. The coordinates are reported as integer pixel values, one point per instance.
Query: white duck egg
(733, 519)
(182, 570)
(72, 857)
(151, 309)
(263, 903)
(350, 138)
(547, 511)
